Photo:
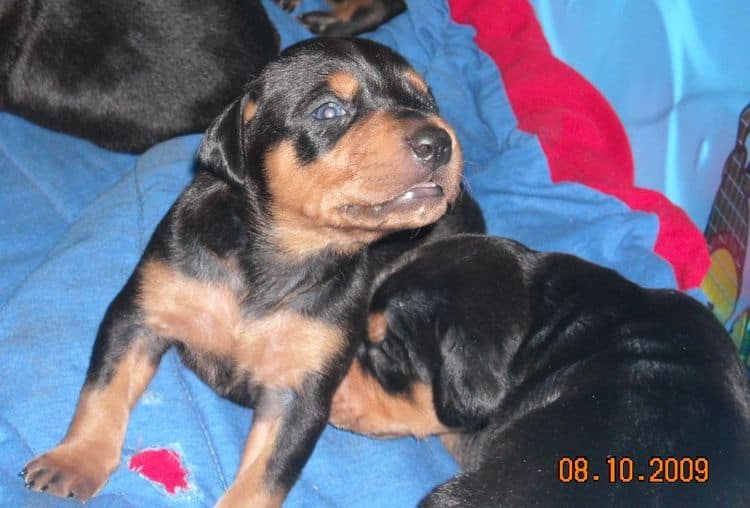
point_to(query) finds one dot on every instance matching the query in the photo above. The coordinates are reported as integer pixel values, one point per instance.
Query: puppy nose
(432, 146)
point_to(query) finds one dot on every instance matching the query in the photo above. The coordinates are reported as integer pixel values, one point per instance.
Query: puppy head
(340, 143)
(448, 314)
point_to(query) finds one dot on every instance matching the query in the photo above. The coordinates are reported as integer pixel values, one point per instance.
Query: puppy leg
(122, 364)
(352, 17)
(361, 405)
(286, 427)
(249, 487)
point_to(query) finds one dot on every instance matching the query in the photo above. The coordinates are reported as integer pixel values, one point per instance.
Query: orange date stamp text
(625, 470)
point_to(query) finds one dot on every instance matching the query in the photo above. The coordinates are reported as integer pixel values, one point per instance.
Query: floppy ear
(222, 150)
(469, 383)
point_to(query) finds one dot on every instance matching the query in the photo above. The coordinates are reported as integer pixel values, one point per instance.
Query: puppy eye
(328, 110)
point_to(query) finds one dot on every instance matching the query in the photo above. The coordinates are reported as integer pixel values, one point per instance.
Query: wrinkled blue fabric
(75, 218)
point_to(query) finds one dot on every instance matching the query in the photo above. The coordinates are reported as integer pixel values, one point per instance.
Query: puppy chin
(423, 215)
(406, 213)
(414, 206)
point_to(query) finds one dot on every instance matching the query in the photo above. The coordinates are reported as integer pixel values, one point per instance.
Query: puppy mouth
(415, 195)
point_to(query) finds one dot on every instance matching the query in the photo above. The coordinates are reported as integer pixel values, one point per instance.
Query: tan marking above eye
(278, 350)
(344, 85)
(377, 327)
(249, 112)
(417, 81)
(179, 306)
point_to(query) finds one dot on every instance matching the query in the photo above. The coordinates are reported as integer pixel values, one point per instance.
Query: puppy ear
(222, 150)
(469, 383)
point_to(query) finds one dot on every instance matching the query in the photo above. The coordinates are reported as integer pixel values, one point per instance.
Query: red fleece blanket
(578, 130)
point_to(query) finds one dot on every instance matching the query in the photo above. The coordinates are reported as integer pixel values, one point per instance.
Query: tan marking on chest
(278, 350)
(285, 347)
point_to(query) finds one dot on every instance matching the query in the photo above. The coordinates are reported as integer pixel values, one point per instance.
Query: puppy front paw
(69, 471)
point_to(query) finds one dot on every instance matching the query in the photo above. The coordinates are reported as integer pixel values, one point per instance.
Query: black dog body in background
(127, 74)
(564, 384)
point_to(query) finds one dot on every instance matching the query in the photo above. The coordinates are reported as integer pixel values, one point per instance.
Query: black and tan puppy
(126, 74)
(565, 384)
(259, 274)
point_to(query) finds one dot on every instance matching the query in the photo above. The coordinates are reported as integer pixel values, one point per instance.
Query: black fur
(533, 357)
(128, 73)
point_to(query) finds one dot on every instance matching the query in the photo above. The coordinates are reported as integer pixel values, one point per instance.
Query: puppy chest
(276, 349)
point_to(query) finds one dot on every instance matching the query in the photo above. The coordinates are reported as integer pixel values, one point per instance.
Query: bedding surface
(687, 82)
(582, 137)
(74, 220)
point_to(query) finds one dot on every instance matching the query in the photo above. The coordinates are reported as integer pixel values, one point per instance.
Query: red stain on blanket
(160, 466)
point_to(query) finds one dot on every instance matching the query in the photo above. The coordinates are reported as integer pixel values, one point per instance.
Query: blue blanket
(74, 220)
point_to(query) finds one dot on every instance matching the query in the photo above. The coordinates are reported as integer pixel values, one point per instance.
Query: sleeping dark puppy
(563, 383)
(126, 74)
(259, 274)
